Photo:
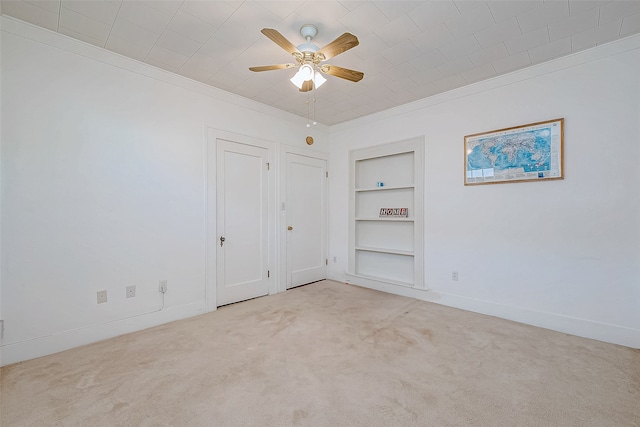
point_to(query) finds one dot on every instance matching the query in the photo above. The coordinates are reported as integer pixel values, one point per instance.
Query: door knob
(222, 239)
(289, 228)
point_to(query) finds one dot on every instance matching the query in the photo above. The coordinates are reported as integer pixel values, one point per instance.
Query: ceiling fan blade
(272, 67)
(343, 73)
(280, 40)
(306, 86)
(339, 45)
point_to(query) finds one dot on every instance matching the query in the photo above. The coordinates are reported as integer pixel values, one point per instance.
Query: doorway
(240, 226)
(306, 219)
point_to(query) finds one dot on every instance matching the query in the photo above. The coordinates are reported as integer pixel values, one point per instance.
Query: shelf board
(386, 219)
(382, 279)
(384, 251)
(397, 187)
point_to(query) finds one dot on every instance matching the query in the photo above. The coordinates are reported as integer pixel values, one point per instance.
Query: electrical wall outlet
(163, 286)
(102, 297)
(454, 276)
(131, 291)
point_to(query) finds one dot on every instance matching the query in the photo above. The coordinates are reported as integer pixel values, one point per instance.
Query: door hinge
(326, 261)
(268, 273)
(326, 174)
(1, 328)
(267, 165)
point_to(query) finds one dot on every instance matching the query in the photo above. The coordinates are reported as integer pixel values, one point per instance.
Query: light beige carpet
(328, 354)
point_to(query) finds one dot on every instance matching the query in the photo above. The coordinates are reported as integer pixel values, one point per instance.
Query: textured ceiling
(408, 49)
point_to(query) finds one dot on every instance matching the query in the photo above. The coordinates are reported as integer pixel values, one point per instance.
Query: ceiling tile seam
(600, 16)
(257, 37)
(496, 74)
(179, 53)
(484, 49)
(104, 44)
(519, 28)
(160, 36)
(113, 25)
(151, 3)
(529, 55)
(70, 30)
(414, 23)
(91, 17)
(620, 29)
(571, 37)
(617, 34)
(48, 11)
(457, 7)
(473, 33)
(492, 15)
(59, 14)
(199, 49)
(212, 36)
(477, 41)
(231, 60)
(155, 43)
(198, 18)
(494, 23)
(529, 50)
(383, 14)
(185, 35)
(572, 42)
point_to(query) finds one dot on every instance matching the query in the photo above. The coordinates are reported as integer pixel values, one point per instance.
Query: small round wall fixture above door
(309, 140)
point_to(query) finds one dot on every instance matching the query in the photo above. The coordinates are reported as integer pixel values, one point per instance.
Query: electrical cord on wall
(161, 308)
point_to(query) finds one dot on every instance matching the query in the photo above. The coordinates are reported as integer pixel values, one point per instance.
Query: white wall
(103, 186)
(1, 321)
(558, 254)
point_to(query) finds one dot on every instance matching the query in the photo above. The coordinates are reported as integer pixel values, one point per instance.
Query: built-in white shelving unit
(387, 249)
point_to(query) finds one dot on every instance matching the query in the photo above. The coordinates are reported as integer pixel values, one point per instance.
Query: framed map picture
(530, 152)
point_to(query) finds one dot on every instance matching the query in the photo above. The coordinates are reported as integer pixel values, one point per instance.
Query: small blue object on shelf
(380, 184)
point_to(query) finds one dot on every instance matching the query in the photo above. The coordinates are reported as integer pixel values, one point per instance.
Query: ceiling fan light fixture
(304, 74)
(318, 80)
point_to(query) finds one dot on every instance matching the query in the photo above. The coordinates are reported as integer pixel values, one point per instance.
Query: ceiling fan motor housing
(308, 31)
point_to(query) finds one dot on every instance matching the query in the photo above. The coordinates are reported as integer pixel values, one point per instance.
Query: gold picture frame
(531, 152)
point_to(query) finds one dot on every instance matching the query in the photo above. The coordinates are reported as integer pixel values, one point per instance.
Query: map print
(516, 154)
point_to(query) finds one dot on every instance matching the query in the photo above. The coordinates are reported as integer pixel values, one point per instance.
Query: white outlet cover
(131, 291)
(102, 297)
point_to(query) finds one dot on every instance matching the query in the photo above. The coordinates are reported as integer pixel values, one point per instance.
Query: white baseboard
(605, 332)
(21, 351)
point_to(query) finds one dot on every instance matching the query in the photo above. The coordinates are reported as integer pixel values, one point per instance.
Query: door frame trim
(284, 150)
(210, 202)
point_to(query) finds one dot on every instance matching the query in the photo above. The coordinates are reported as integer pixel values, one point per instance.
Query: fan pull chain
(314, 111)
(311, 95)
(313, 89)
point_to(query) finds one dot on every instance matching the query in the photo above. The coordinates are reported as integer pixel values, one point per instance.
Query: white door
(242, 222)
(306, 219)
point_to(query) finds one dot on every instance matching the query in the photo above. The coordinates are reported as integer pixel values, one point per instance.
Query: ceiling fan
(309, 57)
